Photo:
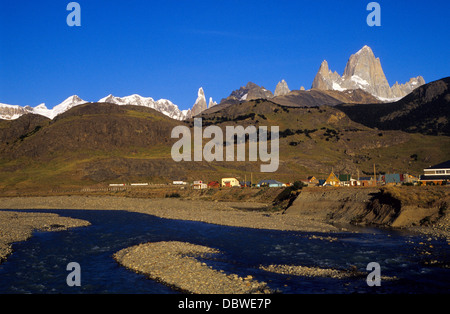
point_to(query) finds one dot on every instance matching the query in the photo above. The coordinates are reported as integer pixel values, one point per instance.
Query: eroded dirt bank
(416, 208)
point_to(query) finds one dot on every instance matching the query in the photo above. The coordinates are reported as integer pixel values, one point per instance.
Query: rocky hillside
(15, 131)
(294, 98)
(316, 97)
(426, 110)
(87, 128)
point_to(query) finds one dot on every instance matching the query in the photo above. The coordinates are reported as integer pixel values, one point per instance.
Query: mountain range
(94, 144)
(11, 112)
(362, 73)
(8, 112)
(120, 140)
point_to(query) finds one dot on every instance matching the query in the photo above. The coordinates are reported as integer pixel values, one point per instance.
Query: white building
(199, 185)
(437, 174)
(230, 182)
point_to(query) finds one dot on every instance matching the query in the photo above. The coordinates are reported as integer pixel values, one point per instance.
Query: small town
(435, 175)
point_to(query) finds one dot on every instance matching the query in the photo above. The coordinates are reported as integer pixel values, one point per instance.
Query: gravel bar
(176, 264)
(237, 214)
(19, 226)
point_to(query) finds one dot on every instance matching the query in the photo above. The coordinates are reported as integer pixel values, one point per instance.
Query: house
(344, 179)
(230, 182)
(332, 180)
(270, 183)
(392, 178)
(245, 184)
(213, 185)
(437, 174)
(366, 181)
(199, 185)
(179, 183)
(409, 178)
(312, 180)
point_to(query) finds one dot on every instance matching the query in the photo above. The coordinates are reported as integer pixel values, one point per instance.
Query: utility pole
(375, 174)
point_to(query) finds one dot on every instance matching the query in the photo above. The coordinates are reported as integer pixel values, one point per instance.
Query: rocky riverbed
(19, 226)
(176, 264)
(238, 214)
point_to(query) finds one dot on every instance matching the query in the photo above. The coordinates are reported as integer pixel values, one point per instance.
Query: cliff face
(364, 71)
(332, 205)
(325, 79)
(282, 89)
(200, 104)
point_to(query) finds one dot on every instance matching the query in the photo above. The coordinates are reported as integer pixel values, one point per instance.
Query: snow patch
(360, 81)
(338, 87)
(164, 106)
(383, 99)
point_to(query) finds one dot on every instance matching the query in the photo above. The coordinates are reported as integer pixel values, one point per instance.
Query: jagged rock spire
(364, 71)
(282, 89)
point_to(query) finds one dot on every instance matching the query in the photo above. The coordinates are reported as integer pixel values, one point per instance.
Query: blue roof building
(271, 183)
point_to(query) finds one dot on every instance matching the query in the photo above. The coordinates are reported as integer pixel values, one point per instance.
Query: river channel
(39, 264)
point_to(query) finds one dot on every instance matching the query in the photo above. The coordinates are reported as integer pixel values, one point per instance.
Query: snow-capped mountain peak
(364, 71)
(10, 112)
(67, 104)
(163, 105)
(41, 107)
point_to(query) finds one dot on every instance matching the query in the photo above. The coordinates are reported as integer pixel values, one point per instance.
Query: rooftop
(444, 165)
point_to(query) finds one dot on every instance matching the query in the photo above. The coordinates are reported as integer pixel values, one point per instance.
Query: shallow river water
(39, 264)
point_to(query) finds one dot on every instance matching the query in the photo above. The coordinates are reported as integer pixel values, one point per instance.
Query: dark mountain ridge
(425, 110)
(295, 98)
(89, 127)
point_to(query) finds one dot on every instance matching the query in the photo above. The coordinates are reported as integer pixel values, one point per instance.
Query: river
(39, 264)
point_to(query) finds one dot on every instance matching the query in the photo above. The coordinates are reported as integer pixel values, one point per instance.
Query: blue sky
(170, 48)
